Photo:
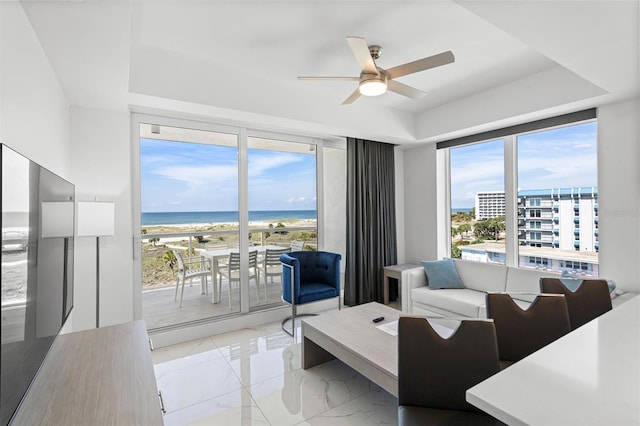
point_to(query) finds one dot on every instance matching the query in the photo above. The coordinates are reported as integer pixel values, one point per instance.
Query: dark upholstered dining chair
(434, 373)
(309, 276)
(520, 332)
(590, 300)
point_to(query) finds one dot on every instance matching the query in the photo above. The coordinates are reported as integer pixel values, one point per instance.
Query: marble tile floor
(254, 377)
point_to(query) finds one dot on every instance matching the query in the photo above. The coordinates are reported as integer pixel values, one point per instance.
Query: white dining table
(221, 254)
(590, 376)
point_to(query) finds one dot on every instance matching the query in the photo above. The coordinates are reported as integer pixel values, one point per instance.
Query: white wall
(335, 200)
(34, 113)
(101, 159)
(619, 193)
(618, 187)
(420, 204)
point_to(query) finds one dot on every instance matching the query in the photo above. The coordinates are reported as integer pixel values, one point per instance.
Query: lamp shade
(96, 218)
(57, 219)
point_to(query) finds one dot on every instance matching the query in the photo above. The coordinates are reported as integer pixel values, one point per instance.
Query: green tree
(463, 229)
(169, 259)
(153, 241)
(455, 251)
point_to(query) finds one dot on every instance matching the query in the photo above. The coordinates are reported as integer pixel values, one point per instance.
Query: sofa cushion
(441, 274)
(481, 276)
(462, 302)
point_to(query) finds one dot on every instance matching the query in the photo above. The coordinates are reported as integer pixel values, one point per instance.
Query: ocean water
(461, 210)
(208, 218)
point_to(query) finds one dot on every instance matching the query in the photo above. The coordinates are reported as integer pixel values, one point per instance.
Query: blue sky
(179, 176)
(557, 158)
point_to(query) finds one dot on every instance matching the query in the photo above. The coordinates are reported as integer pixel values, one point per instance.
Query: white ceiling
(238, 60)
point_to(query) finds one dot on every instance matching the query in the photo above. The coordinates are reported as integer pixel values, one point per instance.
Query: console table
(98, 376)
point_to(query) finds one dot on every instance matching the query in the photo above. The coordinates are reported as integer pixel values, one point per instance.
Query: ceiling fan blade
(329, 78)
(421, 64)
(352, 97)
(363, 56)
(404, 90)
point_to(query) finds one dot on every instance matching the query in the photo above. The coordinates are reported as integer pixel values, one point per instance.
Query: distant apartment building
(561, 218)
(490, 204)
(557, 231)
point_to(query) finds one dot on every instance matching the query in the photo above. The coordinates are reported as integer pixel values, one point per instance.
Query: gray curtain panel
(371, 219)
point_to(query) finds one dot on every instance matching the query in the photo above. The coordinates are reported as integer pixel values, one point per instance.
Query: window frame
(509, 136)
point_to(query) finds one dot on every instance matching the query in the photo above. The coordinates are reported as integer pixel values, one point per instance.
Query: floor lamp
(57, 222)
(96, 219)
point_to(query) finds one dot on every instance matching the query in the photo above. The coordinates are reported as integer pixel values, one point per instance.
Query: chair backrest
(297, 245)
(253, 258)
(272, 256)
(521, 332)
(590, 300)
(179, 260)
(436, 372)
(310, 267)
(234, 260)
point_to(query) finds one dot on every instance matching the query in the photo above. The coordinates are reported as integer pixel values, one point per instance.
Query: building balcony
(576, 220)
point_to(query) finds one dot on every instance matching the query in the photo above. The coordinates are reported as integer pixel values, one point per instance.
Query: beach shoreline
(226, 226)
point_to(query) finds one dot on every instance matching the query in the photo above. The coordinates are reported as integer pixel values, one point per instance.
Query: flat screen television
(37, 270)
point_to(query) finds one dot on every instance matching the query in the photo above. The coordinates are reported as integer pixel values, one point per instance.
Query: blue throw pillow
(441, 274)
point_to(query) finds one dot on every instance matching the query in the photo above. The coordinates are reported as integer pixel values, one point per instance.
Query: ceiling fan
(374, 81)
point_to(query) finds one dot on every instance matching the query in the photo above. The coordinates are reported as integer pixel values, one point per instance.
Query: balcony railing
(156, 273)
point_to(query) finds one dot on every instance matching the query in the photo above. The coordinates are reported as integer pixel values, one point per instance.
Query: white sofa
(478, 278)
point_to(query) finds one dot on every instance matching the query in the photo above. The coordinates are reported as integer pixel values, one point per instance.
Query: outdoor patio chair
(192, 267)
(297, 245)
(270, 265)
(231, 272)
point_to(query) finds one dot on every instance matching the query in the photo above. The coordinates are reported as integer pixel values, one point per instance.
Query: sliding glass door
(282, 207)
(189, 209)
(223, 200)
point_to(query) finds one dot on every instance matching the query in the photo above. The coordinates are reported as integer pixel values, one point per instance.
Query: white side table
(395, 271)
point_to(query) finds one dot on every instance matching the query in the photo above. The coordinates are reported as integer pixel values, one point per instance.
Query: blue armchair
(309, 276)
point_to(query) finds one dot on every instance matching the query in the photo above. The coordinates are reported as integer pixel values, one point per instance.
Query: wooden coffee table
(351, 336)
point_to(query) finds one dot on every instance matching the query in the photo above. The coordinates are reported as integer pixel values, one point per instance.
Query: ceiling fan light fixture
(374, 85)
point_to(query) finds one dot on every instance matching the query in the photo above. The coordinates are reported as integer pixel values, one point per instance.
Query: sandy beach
(199, 227)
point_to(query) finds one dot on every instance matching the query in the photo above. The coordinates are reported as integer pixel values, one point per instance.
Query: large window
(528, 199)
(478, 201)
(222, 196)
(557, 176)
